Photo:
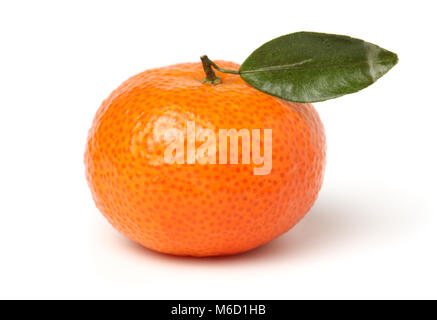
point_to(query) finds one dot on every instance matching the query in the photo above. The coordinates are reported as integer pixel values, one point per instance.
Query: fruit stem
(211, 78)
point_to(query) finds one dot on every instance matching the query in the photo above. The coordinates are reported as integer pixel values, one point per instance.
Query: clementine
(201, 209)
(152, 162)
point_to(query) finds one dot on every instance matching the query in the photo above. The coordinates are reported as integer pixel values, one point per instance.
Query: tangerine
(201, 209)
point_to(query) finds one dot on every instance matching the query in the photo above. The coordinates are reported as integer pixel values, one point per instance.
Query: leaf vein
(295, 66)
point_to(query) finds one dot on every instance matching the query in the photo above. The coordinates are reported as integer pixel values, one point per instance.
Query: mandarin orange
(200, 209)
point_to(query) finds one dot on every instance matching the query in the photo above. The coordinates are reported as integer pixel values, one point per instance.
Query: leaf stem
(220, 69)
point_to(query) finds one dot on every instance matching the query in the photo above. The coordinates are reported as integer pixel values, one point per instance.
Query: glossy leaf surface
(311, 67)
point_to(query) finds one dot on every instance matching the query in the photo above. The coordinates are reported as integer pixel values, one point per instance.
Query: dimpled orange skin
(194, 209)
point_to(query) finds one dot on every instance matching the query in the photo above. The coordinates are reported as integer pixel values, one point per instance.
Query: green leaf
(311, 67)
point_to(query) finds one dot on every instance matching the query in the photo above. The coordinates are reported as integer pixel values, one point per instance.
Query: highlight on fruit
(214, 158)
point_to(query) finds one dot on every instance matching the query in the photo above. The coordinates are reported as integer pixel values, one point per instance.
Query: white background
(371, 234)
